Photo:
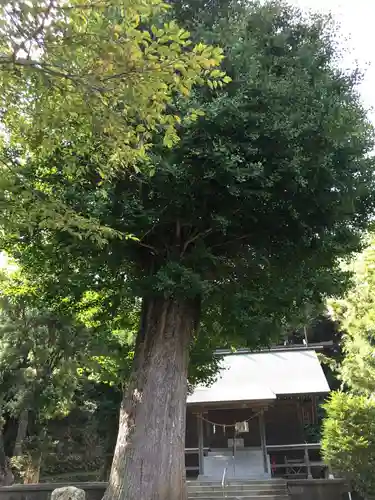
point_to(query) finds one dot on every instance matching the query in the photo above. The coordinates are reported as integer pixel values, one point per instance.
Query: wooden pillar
(314, 410)
(200, 443)
(263, 440)
(330, 474)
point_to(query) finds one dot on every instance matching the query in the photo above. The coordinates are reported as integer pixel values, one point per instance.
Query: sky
(357, 28)
(6, 263)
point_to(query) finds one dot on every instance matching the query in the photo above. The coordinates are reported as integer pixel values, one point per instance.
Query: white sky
(6, 263)
(357, 27)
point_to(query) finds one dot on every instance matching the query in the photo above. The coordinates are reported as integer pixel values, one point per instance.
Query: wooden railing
(223, 481)
(291, 467)
(297, 467)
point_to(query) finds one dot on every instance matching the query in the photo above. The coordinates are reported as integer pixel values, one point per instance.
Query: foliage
(73, 74)
(42, 352)
(107, 68)
(48, 364)
(349, 438)
(356, 314)
(348, 433)
(313, 431)
(39, 354)
(55, 358)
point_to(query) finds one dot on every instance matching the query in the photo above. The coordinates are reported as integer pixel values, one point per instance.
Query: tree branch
(191, 240)
(155, 251)
(228, 242)
(32, 63)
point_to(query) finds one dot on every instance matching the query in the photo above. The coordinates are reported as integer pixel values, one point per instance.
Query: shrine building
(255, 421)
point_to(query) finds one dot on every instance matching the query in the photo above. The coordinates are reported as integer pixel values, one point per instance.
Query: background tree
(348, 434)
(40, 352)
(236, 229)
(348, 439)
(356, 314)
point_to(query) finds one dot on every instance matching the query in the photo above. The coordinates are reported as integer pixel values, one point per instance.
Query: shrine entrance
(233, 443)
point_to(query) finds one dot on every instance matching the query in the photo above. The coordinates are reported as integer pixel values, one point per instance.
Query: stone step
(243, 486)
(237, 489)
(235, 492)
(248, 497)
(210, 482)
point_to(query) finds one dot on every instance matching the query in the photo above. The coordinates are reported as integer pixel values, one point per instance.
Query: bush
(348, 442)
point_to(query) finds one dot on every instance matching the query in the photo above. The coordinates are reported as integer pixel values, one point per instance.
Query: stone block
(68, 493)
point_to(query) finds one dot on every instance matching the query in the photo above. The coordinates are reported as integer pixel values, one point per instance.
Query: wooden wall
(283, 423)
(191, 434)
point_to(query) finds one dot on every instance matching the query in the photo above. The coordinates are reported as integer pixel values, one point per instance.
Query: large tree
(235, 229)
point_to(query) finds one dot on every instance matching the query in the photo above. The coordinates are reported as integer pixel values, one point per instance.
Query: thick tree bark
(6, 476)
(21, 432)
(149, 460)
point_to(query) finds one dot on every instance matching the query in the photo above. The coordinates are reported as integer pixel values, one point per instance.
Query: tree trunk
(21, 432)
(32, 473)
(6, 476)
(149, 459)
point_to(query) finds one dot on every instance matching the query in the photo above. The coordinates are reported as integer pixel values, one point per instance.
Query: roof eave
(230, 404)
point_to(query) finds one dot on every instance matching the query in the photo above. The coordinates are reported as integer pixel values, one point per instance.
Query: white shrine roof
(264, 376)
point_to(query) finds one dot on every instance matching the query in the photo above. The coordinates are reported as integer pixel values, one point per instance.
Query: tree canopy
(73, 74)
(234, 229)
(255, 197)
(107, 68)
